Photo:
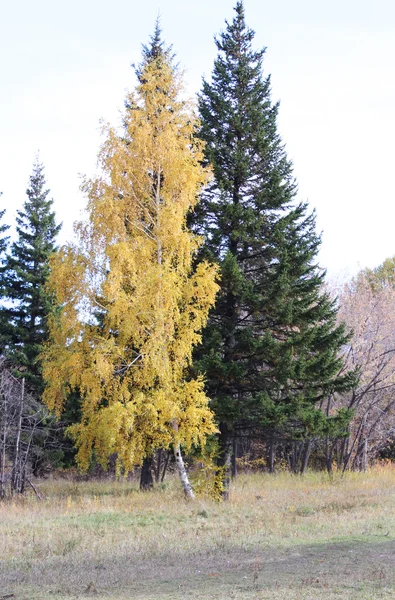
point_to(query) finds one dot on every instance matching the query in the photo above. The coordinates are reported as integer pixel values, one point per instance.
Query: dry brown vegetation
(279, 537)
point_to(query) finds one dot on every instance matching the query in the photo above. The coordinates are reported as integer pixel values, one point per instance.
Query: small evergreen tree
(26, 271)
(271, 349)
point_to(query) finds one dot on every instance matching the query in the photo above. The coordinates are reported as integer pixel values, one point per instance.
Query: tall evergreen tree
(25, 274)
(4, 239)
(271, 349)
(3, 228)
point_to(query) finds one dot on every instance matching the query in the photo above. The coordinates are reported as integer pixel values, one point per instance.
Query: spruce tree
(26, 271)
(4, 239)
(3, 228)
(271, 349)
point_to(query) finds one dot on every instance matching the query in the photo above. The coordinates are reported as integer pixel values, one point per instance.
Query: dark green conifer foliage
(271, 350)
(3, 228)
(26, 272)
(4, 239)
(156, 49)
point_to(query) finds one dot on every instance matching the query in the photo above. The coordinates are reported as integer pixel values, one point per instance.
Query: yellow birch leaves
(131, 304)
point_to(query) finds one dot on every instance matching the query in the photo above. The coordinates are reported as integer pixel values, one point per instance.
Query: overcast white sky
(66, 65)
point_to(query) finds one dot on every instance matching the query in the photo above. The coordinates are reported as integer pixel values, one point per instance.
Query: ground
(279, 537)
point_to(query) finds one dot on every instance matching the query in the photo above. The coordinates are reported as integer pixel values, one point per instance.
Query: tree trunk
(306, 455)
(146, 479)
(17, 476)
(329, 447)
(165, 467)
(225, 462)
(356, 443)
(3, 445)
(160, 463)
(343, 458)
(295, 456)
(360, 462)
(234, 457)
(365, 455)
(157, 465)
(224, 459)
(188, 491)
(272, 455)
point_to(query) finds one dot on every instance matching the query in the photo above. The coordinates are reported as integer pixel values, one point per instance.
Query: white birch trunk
(188, 491)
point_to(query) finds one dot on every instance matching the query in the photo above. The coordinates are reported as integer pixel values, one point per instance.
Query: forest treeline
(190, 316)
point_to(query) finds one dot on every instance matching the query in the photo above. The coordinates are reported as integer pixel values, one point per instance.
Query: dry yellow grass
(279, 537)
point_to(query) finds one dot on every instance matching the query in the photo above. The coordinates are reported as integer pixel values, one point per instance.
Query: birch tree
(369, 311)
(132, 306)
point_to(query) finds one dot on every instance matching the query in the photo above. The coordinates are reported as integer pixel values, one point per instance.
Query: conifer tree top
(3, 228)
(236, 40)
(37, 217)
(155, 50)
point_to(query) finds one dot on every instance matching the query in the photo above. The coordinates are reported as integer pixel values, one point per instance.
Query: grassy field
(280, 537)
